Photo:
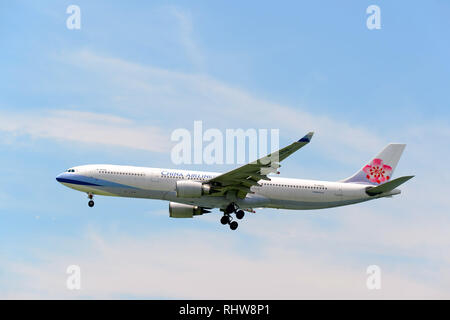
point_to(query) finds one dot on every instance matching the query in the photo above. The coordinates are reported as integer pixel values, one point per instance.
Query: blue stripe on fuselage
(88, 181)
(73, 181)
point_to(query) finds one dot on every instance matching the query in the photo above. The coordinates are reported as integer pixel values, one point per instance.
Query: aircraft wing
(241, 179)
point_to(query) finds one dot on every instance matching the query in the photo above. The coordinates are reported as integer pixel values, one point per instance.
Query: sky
(114, 90)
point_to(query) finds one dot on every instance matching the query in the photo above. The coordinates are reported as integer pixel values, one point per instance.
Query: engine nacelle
(180, 210)
(191, 189)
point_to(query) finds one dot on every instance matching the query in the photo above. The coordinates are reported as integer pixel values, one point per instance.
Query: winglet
(306, 138)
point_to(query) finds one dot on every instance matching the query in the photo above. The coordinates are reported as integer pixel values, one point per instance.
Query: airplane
(194, 193)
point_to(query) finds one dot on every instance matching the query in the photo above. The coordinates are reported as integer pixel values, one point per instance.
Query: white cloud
(85, 127)
(203, 265)
(149, 93)
(179, 98)
(186, 31)
(157, 95)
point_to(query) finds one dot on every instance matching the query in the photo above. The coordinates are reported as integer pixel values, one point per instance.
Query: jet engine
(180, 210)
(191, 189)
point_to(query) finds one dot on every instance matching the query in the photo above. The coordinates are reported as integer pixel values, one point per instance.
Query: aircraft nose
(60, 177)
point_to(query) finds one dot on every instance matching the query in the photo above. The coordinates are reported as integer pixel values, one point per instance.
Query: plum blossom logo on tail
(377, 171)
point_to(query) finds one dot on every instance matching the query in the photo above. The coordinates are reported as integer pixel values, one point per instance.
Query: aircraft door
(339, 192)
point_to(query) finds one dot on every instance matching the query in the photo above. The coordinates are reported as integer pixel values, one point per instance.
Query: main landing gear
(91, 202)
(227, 218)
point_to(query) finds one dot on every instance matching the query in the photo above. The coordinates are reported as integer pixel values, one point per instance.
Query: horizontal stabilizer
(388, 186)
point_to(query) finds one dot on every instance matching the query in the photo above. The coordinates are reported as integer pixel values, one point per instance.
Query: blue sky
(113, 91)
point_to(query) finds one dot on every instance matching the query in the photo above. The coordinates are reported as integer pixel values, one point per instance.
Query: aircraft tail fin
(381, 168)
(388, 186)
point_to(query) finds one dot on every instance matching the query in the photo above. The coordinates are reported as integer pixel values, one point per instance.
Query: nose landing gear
(91, 201)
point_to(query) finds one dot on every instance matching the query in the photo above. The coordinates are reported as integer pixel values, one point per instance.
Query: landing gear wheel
(233, 225)
(240, 214)
(91, 203)
(225, 220)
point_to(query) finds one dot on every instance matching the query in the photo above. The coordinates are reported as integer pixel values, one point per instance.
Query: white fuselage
(156, 183)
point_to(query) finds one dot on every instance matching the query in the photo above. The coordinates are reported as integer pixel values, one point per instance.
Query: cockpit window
(71, 170)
